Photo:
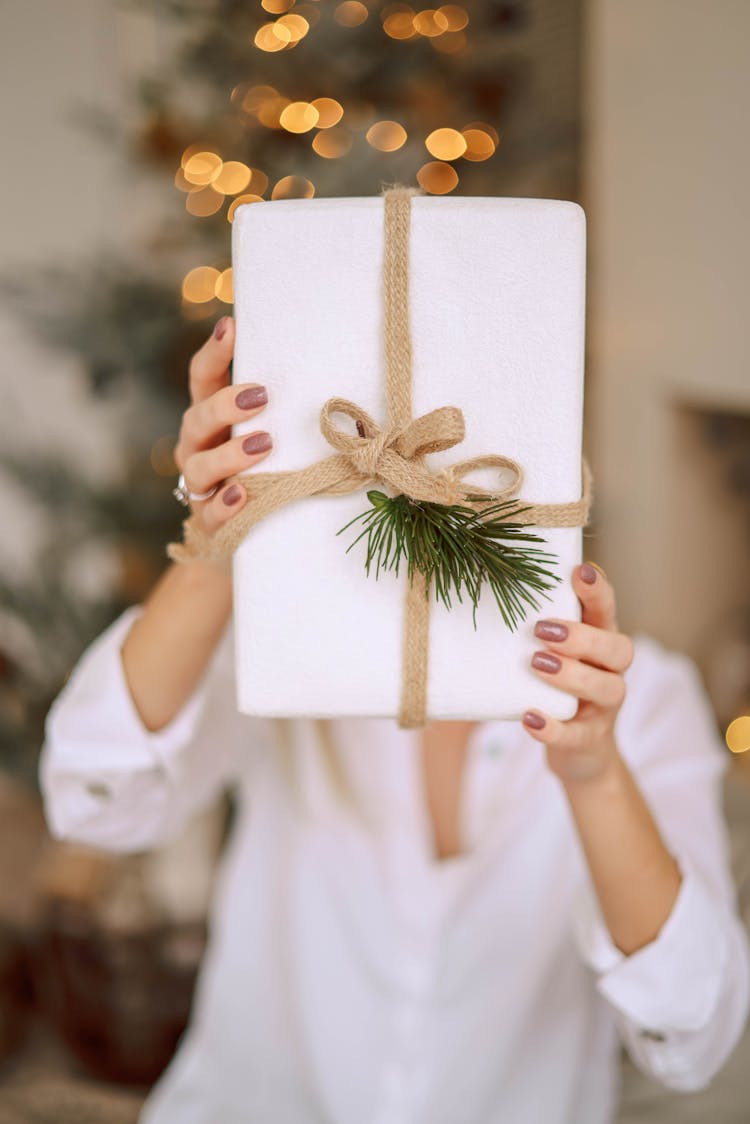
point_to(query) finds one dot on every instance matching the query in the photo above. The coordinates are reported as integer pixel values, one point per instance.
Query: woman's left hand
(592, 657)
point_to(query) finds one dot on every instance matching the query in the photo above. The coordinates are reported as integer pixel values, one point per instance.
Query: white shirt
(353, 978)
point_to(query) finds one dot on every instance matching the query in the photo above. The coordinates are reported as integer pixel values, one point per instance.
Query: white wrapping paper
(497, 302)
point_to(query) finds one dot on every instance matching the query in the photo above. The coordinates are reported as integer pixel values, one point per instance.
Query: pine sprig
(459, 548)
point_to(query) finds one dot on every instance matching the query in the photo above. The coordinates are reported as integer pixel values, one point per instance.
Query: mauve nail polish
(220, 328)
(251, 396)
(257, 442)
(549, 630)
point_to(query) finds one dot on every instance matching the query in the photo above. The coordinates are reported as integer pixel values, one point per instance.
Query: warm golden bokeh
(386, 136)
(202, 168)
(268, 39)
(329, 110)
(479, 144)
(199, 285)
(204, 202)
(298, 117)
(224, 288)
(233, 177)
(398, 21)
(162, 455)
(455, 16)
(239, 201)
(737, 735)
(446, 144)
(294, 26)
(333, 143)
(350, 13)
(430, 22)
(437, 178)
(293, 187)
(276, 7)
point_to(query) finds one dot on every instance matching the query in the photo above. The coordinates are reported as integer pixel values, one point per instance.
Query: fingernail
(548, 630)
(257, 443)
(534, 720)
(546, 661)
(588, 573)
(250, 397)
(232, 494)
(221, 327)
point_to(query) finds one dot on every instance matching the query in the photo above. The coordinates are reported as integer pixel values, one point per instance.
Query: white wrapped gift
(497, 314)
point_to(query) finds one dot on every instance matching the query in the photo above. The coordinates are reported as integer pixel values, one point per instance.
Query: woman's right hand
(206, 453)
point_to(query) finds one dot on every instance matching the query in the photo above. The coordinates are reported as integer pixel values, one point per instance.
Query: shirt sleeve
(108, 781)
(681, 1001)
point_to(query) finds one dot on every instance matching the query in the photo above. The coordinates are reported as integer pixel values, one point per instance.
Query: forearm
(169, 646)
(635, 877)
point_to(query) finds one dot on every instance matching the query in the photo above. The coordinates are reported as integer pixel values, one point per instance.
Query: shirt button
(98, 788)
(652, 1035)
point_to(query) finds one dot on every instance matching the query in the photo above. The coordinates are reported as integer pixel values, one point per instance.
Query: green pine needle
(458, 547)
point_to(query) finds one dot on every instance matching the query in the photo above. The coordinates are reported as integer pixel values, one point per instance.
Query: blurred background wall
(115, 267)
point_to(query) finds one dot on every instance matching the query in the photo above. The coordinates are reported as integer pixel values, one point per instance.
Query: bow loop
(392, 454)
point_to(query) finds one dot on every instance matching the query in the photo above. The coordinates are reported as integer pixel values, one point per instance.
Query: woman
(454, 925)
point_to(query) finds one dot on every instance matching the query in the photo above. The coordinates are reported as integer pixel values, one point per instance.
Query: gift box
(495, 317)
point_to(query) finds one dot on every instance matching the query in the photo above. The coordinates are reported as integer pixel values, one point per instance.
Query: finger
(596, 595)
(604, 688)
(223, 506)
(204, 470)
(610, 650)
(206, 424)
(209, 366)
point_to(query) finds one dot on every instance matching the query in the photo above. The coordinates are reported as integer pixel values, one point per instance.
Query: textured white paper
(497, 315)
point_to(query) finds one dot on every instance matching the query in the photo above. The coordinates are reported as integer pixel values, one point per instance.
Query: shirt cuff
(674, 982)
(94, 720)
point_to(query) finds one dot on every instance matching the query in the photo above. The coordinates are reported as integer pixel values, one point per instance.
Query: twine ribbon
(392, 454)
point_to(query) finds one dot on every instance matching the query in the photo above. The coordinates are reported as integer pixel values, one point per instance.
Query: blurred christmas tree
(264, 99)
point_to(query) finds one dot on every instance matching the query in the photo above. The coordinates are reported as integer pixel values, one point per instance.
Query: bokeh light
(162, 455)
(204, 202)
(233, 177)
(202, 167)
(239, 201)
(737, 734)
(480, 144)
(333, 143)
(329, 110)
(437, 178)
(224, 289)
(199, 285)
(446, 144)
(298, 117)
(350, 13)
(386, 136)
(293, 187)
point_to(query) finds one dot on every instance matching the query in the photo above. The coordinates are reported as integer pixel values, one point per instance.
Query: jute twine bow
(393, 455)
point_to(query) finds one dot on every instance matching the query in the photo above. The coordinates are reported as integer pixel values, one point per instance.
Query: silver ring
(184, 495)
